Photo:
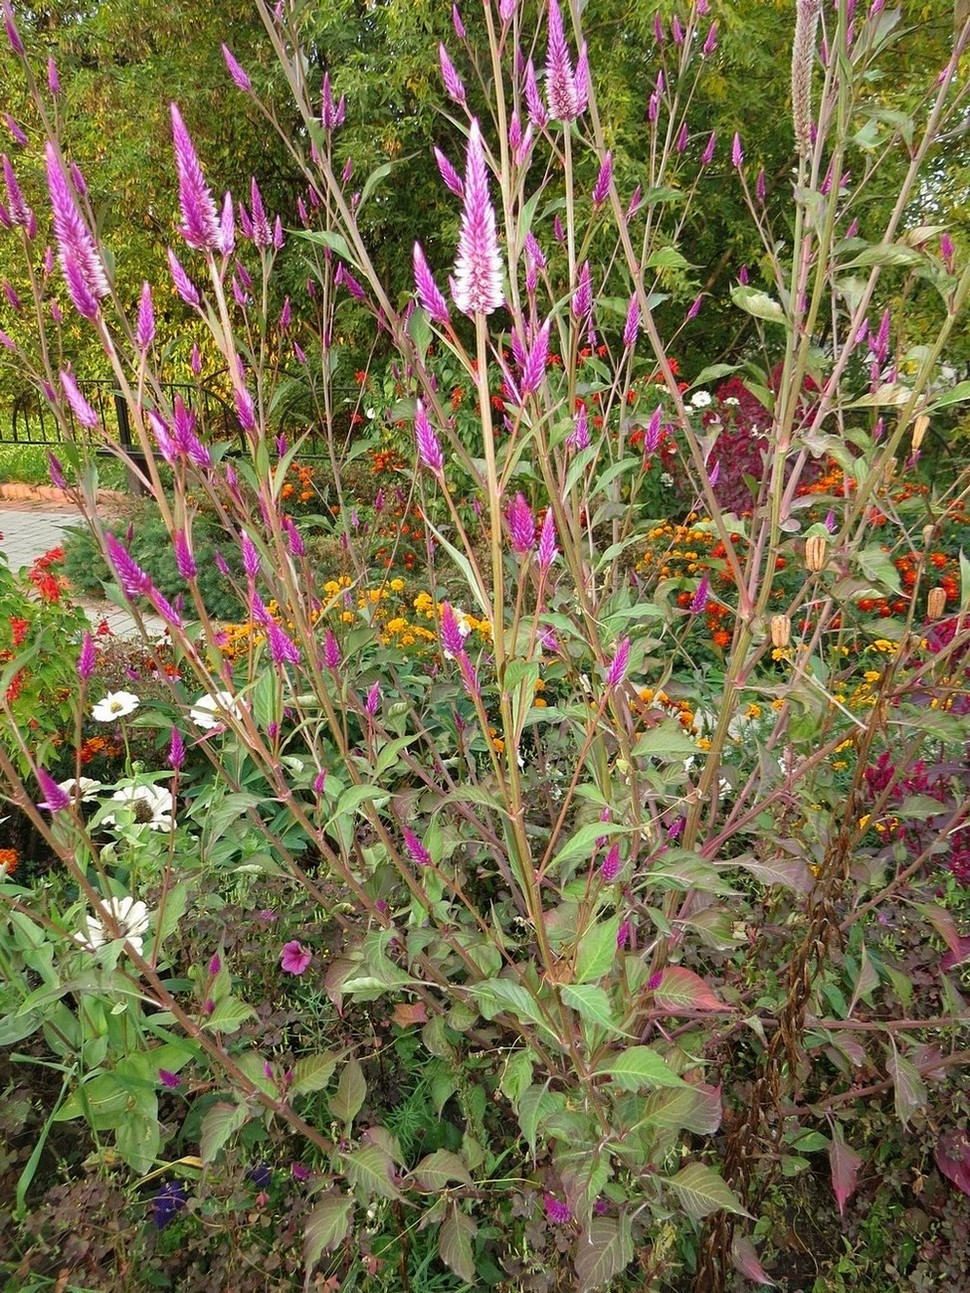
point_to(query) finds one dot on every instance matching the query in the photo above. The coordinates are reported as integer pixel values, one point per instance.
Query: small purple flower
(710, 44)
(452, 641)
(617, 670)
(169, 1079)
(533, 99)
(134, 581)
(582, 302)
(295, 958)
(418, 853)
(695, 308)
(373, 702)
(215, 964)
(176, 750)
(623, 935)
(183, 284)
(631, 328)
(299, 1172)
(56, 471)
(169, 1201)
(737, 152)
(452, 81)
(250, 556)
(652, 433)
(53, 80)
(561, 89)
(556, 1211)
(698, 603)
(522, 527)
(707, 156)
(86, 660)
(947, 251)
(261, 1175)
(682, 138)
(184, 560)
(281, 648)
(612, 865)
(534, 368)
(578, 438)
(457, 23)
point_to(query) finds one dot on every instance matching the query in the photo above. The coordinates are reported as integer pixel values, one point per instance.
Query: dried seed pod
(815, 550)
(929, 532)
(919, 430)
(935, 603)
(780, 631)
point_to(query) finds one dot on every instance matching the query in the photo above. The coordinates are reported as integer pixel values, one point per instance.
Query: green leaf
(877, 567)
(345, 1104)
(592, 1005)
(597, 950)
(638, 1067)
(682, 989)
(580, 845)
(604, 1251)
(955, 395)
(327, 1226)
(759, 304)
(886, 253)
(702, 1191)
(516, 1076)
(228, 1016)
(455, 1243)
(437, 1169)
(667, 741)
(909, 1087)
(690, 1108)
(535, 1106)
(502, 995)
(220, 1122)
(138, 1137)
(312, 1073)
(370, 1171)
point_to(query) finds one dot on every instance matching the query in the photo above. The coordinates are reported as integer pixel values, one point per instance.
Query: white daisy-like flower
(150, 806)
(117, 704)
(700, 399)
(213, 711)
(129, 914)
(732, 401)
(83, 788)
(666, 479)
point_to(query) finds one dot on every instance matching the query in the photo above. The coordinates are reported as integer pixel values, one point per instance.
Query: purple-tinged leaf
(681, 989)
(455, 1243)
(604, 1251)
(952, 1156)
(909, 1087)
(702, 1191)
(845, 1164)
(326, 1227)
(745, 1260)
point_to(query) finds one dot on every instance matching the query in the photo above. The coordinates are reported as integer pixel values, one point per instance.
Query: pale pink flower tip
(477, 286)
(295, 958)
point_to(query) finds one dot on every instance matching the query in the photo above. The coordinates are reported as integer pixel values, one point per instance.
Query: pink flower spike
(200, 222)
(86, 660)
(457, 23)
(632, 327)
(331, 651)
(183, 284)
(547, 541)
(373, 702)
(534, 368)
(429, 450)
(707, 156)
(237, 73)
(560, 78)
(601, 189)
(556, 1211)
(428, 293)
(295, 959)
(145, 331)
(453, 181)
(617, 670)
(710, 44)
(737, 152)
(698, 603)
(612, 865)
(582, 302)
(477, 287)
(79, 406)
(176, 750)
(522, 526)
(453, 83)
(452, 640)
(55, 799)
(415, 848)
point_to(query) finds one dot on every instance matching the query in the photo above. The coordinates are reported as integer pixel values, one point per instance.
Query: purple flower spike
(698, 603)
(16, 130)
(682, 138)
(183, 284)
(533, 99)
(710, 44)
(453, 84)
(262, 235)
(373, 702)
(452, 179)
(250, 556)
(281, 648)
(343, 278)
(547, 541)
(428, 293)
(13, 35)
(578, 438)
(522, 526)
(78, 254)
(169, 1079)
(331, 651)
(56, 471)
(134, 581)
(176, 750)
(651, 436)
(184, 560)
(947, 251)
(452, 641)
(200, 222)
(612, 865)
(236, 72)
(429, 450)
(457, 23)
(19, 213)
(582, 302)
(601, 189)
(477, 286)
(707, 156)
(737, 152)
(86, 659)
(617, 670)
(560, 78)
(79, 406)
(556, 1211)
(55, 799)
(695, 307)
(145, 331)
(534, 368)
(632, 327)
(415, 848)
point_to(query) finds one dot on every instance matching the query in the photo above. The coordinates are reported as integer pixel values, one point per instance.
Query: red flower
(20, 629)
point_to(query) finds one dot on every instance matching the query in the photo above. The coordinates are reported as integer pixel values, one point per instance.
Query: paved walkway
(31, 529)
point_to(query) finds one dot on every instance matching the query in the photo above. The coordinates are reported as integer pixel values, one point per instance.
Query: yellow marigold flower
(397, 625)
(845, 745)
(540, 702)
(753, 711)
(373, 595)
(347, 617)
(872, 675)
(884, 645)
(397, 585)
(839, 765)
(703, 743)
(331, 588)
(781, 653)
(864, 821)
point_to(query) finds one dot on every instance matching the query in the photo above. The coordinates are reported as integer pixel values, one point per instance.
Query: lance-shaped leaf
(701, 1191)
(370, 1171)
(326, 1227)
(346, 1101)
(745, 1259)
(455, 1243)
(638, 1067)
(681, 989)
(845, 1164)
(604, 1251)
(909, 1087)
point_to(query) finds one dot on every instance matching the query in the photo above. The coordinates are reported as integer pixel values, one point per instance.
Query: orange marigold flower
(721, 638)
(8, 861)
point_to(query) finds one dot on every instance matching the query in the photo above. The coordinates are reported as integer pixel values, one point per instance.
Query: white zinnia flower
(83, 788)
(212, 711)
(700, 399)
(117, 704)
(129, 915)
(150, 806)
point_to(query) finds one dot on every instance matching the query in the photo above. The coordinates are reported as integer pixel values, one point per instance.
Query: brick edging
(16, 492)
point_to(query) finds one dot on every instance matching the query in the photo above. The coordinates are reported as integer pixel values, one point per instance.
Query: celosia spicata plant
(577, 899)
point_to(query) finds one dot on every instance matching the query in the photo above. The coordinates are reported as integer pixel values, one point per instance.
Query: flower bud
(780, 631)
(929, 532)
(935, 603)
(815, 548)
(919, 430)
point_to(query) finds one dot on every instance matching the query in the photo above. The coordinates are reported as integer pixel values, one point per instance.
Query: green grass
(26, 464)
